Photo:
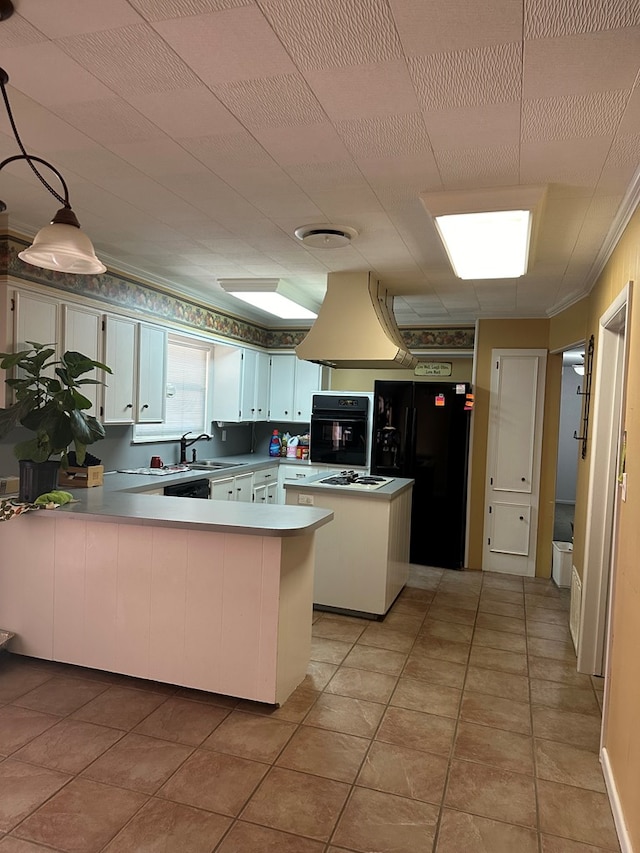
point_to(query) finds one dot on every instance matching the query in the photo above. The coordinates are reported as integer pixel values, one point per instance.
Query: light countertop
(385, 493)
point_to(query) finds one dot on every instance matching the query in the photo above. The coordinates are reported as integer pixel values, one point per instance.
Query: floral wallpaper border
(117, 289)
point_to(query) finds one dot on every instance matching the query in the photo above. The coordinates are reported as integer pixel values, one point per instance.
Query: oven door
(337, 439)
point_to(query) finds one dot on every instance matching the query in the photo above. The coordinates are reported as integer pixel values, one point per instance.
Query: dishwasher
(194, 489)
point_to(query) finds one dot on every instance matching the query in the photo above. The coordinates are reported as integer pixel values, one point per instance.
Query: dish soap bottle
(284, 443)
(275, 444)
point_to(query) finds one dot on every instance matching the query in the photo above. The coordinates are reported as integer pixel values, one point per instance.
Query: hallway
(459, 725)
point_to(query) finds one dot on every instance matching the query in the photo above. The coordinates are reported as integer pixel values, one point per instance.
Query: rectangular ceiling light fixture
(486, 234)
(272, 295)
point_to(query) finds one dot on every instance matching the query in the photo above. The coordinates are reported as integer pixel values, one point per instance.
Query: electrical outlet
(305, 499)
(223, 435)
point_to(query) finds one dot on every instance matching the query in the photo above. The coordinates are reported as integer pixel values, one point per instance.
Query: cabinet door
(248, 385)
(281, 387)
(223, 489)
(243, 486)
(272, 493)
(36, 318)
(120, 356)
(152, 361)
(260, 494)
(261, 401)
(308, 380)
(81, 332)
(227, 384)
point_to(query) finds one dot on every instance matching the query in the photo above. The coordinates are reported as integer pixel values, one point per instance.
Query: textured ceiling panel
(479, 167)
(234, 149)
(134, 60)
(551, 18)
(482, 126)
(577, 163)
(332, 33)
(18, 32)
(186, 113)
(385, 137)
(291, 146)
(271, 102)
(109, 121)
(625, 149)
(162, 10)
(489, 75)
(70, 17)
(573, 116)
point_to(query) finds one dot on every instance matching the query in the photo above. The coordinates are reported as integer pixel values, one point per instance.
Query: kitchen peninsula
(204, 594)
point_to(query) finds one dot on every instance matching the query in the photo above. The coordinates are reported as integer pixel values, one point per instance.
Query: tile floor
(458, 724)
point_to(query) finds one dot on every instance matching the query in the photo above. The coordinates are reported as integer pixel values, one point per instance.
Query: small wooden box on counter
(81, 478)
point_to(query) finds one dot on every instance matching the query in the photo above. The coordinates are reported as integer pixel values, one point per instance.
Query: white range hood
(356, 327)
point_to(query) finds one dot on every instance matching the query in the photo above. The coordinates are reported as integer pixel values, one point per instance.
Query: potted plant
(49, 402)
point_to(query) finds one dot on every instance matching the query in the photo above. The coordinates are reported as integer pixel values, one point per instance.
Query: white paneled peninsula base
(220, 601)
(362, 557)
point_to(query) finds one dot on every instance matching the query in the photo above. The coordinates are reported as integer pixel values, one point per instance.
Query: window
(187, 390)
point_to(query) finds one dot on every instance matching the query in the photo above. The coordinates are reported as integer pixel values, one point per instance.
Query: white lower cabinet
(292, 474)
(238, 488)
(265, 485)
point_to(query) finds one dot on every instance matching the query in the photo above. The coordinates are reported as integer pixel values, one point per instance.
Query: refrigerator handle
(409, 455)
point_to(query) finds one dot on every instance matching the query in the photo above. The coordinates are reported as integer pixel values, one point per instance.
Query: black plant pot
(37, 478)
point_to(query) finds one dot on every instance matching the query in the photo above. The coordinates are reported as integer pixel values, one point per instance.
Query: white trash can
(561, 569)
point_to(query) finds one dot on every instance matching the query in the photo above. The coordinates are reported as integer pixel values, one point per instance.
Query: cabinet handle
(286, 412)
(524, 479)
(146, 406)
(522, 518)
(129, 406)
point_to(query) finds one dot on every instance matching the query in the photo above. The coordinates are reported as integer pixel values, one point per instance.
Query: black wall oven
(340, 433)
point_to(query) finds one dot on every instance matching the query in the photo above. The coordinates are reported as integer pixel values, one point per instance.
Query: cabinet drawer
(265, 475)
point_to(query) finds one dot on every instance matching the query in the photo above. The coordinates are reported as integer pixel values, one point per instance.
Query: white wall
(568, 447)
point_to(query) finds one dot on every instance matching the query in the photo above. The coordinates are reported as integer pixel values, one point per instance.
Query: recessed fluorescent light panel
(270, 295)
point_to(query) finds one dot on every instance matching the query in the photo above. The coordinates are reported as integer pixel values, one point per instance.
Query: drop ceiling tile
(548, 18)
(41, 130)
(71, 17)
(385, 137)
(576, 162)
(187, 113)
(581, 64)
(18, 32)
(228, 150)
(283, 101)
(332, 33)
(228, 46)
(132, 60)
(625, 149)
(489, 75)
(364, 91)
(425, 25)
(573, 116)
(162, 10)
(343, 204)
(109, 120)
(480, 126)
(326, 176)
(479, 167)
(158, 158)
(305, 145)
(631, 120)
(616, 177)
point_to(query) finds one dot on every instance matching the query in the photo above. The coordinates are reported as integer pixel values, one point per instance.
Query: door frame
(599, 543)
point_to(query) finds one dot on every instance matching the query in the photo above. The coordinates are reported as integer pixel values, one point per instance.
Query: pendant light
(61, 245)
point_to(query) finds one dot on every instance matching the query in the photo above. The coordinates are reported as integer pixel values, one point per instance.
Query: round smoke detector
(325, 236)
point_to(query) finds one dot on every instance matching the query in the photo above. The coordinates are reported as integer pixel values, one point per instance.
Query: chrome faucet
(184, 444)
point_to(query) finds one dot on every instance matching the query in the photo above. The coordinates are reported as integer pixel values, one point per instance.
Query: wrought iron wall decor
(586, 397)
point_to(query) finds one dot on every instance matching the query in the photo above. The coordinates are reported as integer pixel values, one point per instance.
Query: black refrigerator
(421, 430)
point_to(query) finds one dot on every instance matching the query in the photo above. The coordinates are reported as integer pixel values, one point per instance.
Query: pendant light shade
(62, 246)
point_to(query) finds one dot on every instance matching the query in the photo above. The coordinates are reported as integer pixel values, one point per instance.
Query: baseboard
(616, 806)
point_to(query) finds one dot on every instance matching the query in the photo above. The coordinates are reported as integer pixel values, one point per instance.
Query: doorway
(572, 389)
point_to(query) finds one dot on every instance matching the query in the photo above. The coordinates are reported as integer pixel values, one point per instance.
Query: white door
(513, 461)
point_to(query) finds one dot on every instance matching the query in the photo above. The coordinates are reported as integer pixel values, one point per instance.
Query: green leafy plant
(49, 401)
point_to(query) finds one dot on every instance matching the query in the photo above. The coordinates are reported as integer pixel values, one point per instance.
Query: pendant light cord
(28, 157)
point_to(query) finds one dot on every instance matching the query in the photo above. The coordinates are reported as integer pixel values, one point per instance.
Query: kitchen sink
(212, 465)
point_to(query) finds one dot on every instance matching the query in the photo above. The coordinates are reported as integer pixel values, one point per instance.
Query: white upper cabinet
(82, 332)
(240, 384)
(136, 353)
(293, 381)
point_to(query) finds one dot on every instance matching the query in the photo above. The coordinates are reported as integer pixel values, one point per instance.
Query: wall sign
(433, 368)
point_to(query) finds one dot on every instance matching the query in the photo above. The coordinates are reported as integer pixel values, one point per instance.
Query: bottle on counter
(284, 443)
(275, 445)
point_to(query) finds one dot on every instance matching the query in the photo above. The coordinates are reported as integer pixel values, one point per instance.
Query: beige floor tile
(139, 763)
(344, 714)
(554, 844)
(164, 826)
(548, 631)
(250, 736)
(329, 651)
(120, 707)
(11, 844)
(69, 746)
(436, 671)
(414, 593)
(16, 679)
(182, 721)
(215, 782)
(457, 599)
(565, 672)
(489, 638)
(416, 730)
(324, 753)
(501, 623)
(446, 613)
(385, 823)
(82, 817)
(496, 712)
(447, 650)
(453, 631)
(501, 608)
(419, 695)
(498, 747)
(60, 695)
(496, 683)
(564, 697)
(298, 803)
(491, 792)
(384, 637)
(294, 710)
(581, 730)
(20, 725)
(577, 814)
(376, 660)
(550, 602)
(545, 614)
(499, 659)
(561, 762)
(496, 580)
(362, 684)
(247, 837)
(552, 649)
(403, 622)
(503, 595)
(334, 629)
(411, 607)
(25, 787)
(405, 772)
(461, 832)
(319, 674)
